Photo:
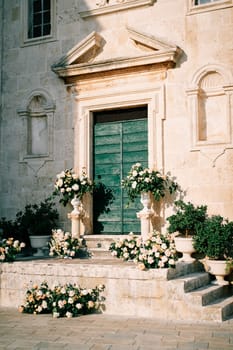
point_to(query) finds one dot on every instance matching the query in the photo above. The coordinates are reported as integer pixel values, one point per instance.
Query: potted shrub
(38, 220)
(214, 239)
(183, 223)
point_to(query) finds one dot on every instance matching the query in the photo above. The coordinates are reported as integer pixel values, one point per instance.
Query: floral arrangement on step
(141, 179)
(69, 185)
(63, 245)
(158, 251)
(9, 248)
(67, 300)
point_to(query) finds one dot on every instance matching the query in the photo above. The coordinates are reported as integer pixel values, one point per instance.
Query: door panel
(119, 142)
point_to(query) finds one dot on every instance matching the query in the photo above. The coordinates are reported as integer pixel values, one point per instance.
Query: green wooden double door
(120, 140)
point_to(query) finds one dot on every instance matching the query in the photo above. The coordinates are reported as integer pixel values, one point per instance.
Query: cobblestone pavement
(104, 332)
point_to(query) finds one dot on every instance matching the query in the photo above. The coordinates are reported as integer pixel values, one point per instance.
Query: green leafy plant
(9, 248)
(158, 251)
(186, 218)
(38, 219)
(67, 300)
(141, 180)
(62, 244)
(214, 238)
(69, 185)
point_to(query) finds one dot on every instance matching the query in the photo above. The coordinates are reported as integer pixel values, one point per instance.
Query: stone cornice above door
(101, 7)
(82, 59)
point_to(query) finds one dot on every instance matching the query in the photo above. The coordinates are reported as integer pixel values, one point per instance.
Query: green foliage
(214, 238)
(8, 228)
(35, 219)
(38, 219)
(186, 218)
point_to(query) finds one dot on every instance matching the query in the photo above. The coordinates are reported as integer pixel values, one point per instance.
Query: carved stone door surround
(117, 83)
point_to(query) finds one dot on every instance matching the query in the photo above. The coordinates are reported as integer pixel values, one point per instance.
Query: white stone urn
(146, 202)
(219, 269)
(39, 242)
(185, 246)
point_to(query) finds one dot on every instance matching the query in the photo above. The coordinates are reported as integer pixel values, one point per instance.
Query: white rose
(60, 183)
(90, 304)
(150, 260)
(164, 246)
(75, 187)
(134, 184)
(16, 244)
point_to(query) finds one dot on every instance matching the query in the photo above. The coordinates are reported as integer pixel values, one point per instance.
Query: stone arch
(209, 104)
(37, 111)
(43, 97)
(223, 71)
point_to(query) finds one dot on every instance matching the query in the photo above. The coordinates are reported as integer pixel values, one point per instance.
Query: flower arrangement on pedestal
(158, 251)
(67, 300)
(62, 244)
(141, 180)
(9, 248)
(70, 185)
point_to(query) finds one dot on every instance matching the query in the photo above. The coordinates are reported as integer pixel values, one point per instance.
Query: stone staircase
(184, 293)
(205, 298)
(98, 245)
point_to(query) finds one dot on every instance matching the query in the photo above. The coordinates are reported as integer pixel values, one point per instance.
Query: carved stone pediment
(90, 56)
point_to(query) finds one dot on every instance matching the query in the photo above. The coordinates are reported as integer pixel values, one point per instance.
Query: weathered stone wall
(204, 171)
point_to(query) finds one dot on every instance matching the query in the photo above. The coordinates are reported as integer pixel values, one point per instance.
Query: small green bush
(186, 218)
(214, 238)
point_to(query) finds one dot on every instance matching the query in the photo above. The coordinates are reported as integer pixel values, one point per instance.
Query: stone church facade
(67, 66)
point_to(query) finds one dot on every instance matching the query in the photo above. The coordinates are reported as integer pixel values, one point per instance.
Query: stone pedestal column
(76, 215)
(145, 215)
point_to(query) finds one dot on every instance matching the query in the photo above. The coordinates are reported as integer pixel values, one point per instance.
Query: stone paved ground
(104, 332)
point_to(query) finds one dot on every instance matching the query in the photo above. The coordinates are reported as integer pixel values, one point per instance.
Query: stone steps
(193, 286)
(184, 293)
(198, 296)
(98, 245)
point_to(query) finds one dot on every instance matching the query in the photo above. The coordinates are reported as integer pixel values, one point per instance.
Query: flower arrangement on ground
(62, 244)
(38, 300)
(158, 251)
(9, 248)
(67, 300)
(69, 184)
(141, 180)
(126, 248)
(71, 300)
